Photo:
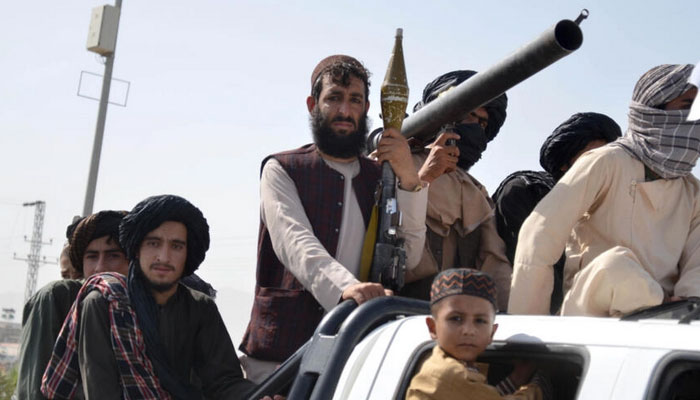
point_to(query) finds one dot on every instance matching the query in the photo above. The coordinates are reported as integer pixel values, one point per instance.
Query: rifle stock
(389, 260)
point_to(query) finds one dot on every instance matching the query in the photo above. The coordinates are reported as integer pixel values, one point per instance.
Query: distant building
(9, 344)
(9, 332)
(8, 314)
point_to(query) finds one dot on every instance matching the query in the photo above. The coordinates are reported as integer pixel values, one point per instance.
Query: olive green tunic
(42, 320)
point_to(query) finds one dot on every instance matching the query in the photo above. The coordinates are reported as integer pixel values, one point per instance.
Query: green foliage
(8, 382)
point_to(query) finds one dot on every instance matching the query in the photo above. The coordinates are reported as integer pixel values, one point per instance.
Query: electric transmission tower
(34, 259)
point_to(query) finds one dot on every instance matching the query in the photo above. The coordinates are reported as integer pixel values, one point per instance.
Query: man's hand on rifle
(393, 147)
(364, 291)
(442, 158)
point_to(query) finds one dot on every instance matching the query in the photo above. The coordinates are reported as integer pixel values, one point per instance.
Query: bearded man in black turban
(149, 336)
(461, 230)
(520, 192)
(628, 214)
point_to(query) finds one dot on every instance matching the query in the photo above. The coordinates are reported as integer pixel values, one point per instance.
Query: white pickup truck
(372, 351)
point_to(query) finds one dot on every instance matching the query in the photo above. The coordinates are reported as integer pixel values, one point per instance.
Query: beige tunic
(442, 377)
(605, 200)
(461, 213)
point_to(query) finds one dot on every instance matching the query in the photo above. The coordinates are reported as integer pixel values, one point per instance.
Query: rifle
(389, 258)
(389, 261)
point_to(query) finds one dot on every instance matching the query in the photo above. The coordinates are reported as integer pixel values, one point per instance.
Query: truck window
(677, 377)
(563, 364)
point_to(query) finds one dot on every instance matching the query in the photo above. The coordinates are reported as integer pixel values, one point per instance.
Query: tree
(8, 382)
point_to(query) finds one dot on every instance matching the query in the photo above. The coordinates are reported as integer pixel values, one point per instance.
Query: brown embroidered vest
(285, 314)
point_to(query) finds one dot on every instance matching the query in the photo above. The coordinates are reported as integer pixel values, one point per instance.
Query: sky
(215, 86)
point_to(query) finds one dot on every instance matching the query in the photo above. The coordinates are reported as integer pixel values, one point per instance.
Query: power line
(34, 259)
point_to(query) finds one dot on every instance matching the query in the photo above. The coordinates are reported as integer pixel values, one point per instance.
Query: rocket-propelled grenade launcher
(389, 258)
(555, 43)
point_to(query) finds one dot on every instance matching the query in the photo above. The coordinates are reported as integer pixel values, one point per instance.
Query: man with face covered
(150, 338)
(634, 207)
(315, 208)
(461, 232)
(519, 193)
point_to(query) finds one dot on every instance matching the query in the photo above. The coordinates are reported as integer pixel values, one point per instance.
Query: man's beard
(334, 144)
(159, 287)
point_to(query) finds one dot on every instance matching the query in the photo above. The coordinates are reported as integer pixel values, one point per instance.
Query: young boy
(463, 308)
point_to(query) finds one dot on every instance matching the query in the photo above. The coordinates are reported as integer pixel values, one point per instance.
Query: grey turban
(661, 84)
(663, 140)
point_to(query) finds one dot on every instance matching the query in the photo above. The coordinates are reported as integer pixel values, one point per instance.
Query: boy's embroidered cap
(463, 281)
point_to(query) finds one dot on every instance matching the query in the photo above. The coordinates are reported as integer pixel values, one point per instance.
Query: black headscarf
(83, 231)
(496, 108)
(572, 136)
(515, 199)
(71, 228)
(152, 212)
(144, 218)
(195, 282)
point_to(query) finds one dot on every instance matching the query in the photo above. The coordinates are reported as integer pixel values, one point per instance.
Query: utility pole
(102, 39)
(34, 259)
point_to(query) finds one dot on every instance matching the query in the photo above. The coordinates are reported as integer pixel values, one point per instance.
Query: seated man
(634, 208)
(463, 309)
(461, 231)
(152, 337)
(315, 209)
(68, 271)
(93, 246)
(520, 192)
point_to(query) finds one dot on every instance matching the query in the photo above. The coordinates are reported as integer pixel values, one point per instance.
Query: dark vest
(285, 314)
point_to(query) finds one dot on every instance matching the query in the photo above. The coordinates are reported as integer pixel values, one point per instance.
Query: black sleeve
(98, 365)
(216, 362)
(41, 322)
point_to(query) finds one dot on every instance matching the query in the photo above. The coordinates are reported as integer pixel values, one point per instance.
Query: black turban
(496, 108)
(71, 228)
(569, 138)
(150, 213)
(95, 226)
